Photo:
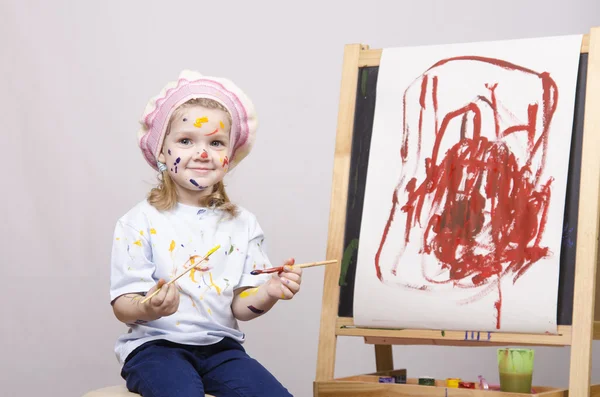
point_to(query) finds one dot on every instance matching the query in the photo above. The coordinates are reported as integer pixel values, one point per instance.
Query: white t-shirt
(149, 244)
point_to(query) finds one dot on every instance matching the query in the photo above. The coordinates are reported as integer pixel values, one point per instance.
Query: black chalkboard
(363, 124)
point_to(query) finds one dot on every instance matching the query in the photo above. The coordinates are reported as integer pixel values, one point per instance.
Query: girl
(185, 340)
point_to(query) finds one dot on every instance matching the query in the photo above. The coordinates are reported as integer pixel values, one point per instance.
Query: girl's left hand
(287, 283)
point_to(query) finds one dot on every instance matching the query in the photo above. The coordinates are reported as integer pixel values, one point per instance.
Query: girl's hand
(287, 283)
(165, 303)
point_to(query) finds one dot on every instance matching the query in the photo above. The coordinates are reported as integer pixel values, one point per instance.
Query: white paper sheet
(493, 120)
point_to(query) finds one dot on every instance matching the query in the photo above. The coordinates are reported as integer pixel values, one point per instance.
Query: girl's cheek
(224, 161)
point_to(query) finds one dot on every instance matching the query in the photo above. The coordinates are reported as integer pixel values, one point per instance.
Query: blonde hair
(164, 196)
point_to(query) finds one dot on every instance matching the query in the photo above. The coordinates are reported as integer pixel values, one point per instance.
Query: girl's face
(196, 151)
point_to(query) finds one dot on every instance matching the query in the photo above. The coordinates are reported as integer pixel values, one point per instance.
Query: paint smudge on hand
(248, 292)
(255, 310)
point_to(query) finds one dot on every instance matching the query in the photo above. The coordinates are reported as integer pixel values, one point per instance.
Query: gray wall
(75, 77)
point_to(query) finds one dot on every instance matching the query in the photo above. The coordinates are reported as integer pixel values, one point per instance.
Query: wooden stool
(117, 391)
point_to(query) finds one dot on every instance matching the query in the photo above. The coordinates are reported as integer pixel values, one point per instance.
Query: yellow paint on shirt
(153, 231)
(209, 311)
(141, 232)
(248, 292)
(192, 275)
(138, 243)
(172, 246)
(212, 284)
(118, 238)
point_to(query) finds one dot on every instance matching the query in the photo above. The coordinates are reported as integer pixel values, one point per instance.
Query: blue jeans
(166, 369)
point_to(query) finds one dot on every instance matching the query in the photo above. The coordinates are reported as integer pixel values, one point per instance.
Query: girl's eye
(185, 141)
(217, 143)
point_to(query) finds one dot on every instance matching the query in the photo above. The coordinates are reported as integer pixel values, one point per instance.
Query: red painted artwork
(475, 199)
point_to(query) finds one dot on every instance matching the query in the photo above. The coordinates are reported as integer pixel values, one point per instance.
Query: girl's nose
(202, 155)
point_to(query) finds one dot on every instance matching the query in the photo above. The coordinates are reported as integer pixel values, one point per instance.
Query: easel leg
(587, 232)
(384, 360)
(341, 170)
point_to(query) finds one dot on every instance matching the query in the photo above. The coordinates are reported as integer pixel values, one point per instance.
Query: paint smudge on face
(212, 133)
(221, 125)
(169, 151)
(248, 292)
(193, 182)
(204, 154)
(175, 164)
(184, 119)
(255, 310)
(225, 162)
(200, 121)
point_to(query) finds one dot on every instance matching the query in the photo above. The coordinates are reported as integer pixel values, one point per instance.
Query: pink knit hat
(190, 84)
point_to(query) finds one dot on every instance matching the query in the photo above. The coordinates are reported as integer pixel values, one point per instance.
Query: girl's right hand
(165, 303)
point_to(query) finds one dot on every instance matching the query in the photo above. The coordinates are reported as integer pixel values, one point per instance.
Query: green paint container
(516, 369)
(427, 381)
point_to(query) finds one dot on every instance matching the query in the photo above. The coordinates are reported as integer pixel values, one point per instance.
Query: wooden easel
(585, 322)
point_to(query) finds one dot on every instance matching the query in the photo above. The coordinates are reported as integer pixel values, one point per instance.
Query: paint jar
(452, 382)
(386, 379)
(400, 378)
(466, 385)
(516, 369)
(427, 381)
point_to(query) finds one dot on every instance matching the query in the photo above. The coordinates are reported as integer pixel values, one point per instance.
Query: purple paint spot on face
(178, 160)
(184, 119)
(169, 151)
(196, 184)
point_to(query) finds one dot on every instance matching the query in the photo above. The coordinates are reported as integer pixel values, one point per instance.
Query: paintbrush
(190, 268)
(279, 269)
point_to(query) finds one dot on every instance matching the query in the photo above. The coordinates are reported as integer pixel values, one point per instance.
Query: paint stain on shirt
(212, 284)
